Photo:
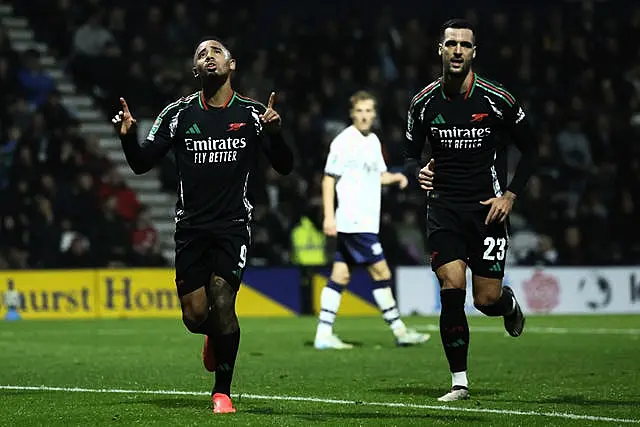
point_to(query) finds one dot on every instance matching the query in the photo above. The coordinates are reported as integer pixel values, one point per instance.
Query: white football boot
(457, 393)
(324, 342)
(411, 337)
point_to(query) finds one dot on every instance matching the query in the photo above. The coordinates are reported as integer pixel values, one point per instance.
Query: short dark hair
(457, 23)
(214, 38)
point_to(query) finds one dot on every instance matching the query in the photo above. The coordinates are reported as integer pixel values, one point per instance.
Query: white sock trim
(329, 306)
(387, 305)
(459, 378)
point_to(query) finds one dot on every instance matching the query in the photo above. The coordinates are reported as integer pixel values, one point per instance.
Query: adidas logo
(496, 267)
(223, 367)
(438, 120)
(237, 273)
(194, 129)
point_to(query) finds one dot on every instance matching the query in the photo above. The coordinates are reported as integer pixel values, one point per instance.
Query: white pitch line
(542, 330)
(554, 414)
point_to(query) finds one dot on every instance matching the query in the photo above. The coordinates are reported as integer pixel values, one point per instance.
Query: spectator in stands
(91, 44)
(270, 244)
(6, 52)
(48, 187)
(64, 161)
(572, 251)
(18, 197)
(117, 25)
(575, 152)
(76, 251)
(595, 221)
(84, 207)
(36, 83)
(44, 236)
(544, 254)
(587, 117)
(125, 199)
(535, 199)
(24, 165)
(145, 243)
(91, 38)
(20, 114)
(15, 238)
(38, 139)
(9, 89)
(7, 155)
(94, 161)
(181, 29)
(112, 237)
(56, 116)
(140, 89)
(627, 231)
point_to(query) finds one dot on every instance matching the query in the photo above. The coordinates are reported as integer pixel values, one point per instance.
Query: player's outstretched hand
(123, 121)
(329, 227)
(500, 207)
(271, 118)
(425, 176)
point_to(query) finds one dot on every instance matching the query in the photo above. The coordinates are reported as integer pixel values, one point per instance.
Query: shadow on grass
(434, 392)
(341, 412)
(569, 399)
(178, 402)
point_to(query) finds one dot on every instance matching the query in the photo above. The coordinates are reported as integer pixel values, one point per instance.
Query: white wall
(553, 290)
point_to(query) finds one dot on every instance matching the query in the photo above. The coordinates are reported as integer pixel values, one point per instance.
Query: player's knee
(452, 275)
(341, 279)
(380, 271)
(340, 274)
(452, 280)
(486, 297)
(193, 319)
(195, 309)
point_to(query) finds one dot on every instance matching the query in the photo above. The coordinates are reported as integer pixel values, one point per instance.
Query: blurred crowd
(572, 64)
(63, 202)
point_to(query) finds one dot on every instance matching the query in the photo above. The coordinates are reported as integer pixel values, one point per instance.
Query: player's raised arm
(141, 157)
(522, 136)
(275, 147)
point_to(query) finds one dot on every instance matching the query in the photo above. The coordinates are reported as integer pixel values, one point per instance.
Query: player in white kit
(356, 170)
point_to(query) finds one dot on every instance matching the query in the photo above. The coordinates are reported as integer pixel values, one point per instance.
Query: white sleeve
(336, 161)
(382, 165)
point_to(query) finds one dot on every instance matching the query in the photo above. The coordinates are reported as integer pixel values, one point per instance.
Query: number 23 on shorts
(496, 249)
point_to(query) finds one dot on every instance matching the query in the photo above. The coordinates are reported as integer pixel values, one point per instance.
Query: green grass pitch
(563, 371)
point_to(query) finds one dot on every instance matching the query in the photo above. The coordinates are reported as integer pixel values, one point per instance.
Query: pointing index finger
(125, 107)
(272, 99)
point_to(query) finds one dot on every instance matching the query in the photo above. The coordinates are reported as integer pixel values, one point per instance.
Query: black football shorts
(454, 234)
(201, 253)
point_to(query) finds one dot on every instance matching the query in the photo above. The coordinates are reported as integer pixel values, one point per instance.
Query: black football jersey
(466, 135)
(215, 149)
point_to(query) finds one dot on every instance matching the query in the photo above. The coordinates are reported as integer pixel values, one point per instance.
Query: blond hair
(361, 95)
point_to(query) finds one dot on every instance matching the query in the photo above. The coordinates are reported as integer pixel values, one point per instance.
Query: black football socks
(226, 350)
(454, 329)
